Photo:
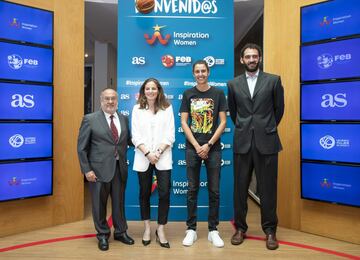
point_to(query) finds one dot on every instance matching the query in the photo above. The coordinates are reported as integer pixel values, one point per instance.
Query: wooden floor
(86, 248)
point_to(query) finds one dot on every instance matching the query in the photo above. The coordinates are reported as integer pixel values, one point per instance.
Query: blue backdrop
(164, 44)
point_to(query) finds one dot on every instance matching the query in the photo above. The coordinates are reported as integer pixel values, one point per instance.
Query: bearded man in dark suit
(102, 145)
(256, 105)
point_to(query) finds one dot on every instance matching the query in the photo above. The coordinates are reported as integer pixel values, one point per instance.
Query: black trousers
(100, 192)
(193, 167)
(163, 186)
(266, 168)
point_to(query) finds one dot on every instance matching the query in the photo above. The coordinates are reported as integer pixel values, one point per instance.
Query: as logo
(124, 96)
(125, 112)
(157, 36)
(138, 60)
(26, 101)
(181, 146)
(338, 100)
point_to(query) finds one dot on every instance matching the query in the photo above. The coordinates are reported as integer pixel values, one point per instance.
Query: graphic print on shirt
(202, 118)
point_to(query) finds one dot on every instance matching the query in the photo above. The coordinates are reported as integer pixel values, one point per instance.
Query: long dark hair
(160, 103)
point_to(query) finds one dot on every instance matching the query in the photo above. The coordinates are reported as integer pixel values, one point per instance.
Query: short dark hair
(201, 62)
(250, 46)
(160, 103)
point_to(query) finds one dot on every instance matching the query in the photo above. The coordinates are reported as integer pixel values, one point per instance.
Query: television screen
(26, 24)
(25, 102)
(331, 101)
(329, 20)
(25, 140)
(331, 183)
(331, 142)
(331, 60)
(25, 63)
(21, 180)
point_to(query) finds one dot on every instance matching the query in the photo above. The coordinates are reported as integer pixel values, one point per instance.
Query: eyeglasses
(109, 98)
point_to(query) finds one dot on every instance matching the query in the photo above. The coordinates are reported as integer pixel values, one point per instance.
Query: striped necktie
(114, 130)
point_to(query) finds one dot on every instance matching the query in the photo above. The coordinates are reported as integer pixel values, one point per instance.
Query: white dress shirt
(251, 80)
(152, 130)
(116, 121)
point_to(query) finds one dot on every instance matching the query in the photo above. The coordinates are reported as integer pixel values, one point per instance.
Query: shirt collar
(107, 115)
(248, 76)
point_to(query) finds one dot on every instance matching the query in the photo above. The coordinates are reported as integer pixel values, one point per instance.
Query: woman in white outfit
(153, 134)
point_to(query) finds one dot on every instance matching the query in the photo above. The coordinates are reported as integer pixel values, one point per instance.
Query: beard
(253, 68)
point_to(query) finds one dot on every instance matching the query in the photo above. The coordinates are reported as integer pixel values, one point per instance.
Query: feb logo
(15, 61)
(168, 61)
(16, 140)
(157, 36)
(325, 60)
(327, 142)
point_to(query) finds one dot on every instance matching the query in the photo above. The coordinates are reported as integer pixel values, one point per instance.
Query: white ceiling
(101, 21)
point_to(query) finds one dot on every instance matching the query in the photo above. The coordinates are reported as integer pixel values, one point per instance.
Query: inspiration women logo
(157, 36)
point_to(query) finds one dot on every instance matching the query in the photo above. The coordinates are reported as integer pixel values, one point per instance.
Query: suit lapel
(103, 122)
(243, 85)
(122, 126)
(259, 83)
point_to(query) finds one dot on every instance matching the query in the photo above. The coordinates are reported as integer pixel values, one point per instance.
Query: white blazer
(152, 130)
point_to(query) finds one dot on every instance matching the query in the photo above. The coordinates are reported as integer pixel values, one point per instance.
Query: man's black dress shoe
(124, 238)
(103, 244)
(271, 242)
(238, 238)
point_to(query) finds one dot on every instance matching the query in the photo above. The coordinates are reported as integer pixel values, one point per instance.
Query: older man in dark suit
(102, 145)
(256, 105)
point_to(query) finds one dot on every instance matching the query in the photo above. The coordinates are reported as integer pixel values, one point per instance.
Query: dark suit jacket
(260, 114)
(96, 146)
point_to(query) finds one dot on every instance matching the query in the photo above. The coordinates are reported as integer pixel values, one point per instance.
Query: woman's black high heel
(166, 245)
(146, 242)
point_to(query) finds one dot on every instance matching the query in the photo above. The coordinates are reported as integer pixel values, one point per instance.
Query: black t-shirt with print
(203, 109)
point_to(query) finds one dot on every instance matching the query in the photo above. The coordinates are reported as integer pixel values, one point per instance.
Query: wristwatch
(209, 144)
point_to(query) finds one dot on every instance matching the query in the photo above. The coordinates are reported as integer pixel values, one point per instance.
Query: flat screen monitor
(331, 142)
(25, 140)
(331, 19)
(26, 102)
(331, 183)
(19, 180)
(26, 63)
(331, 101)
(26, 24)
(331, 60)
